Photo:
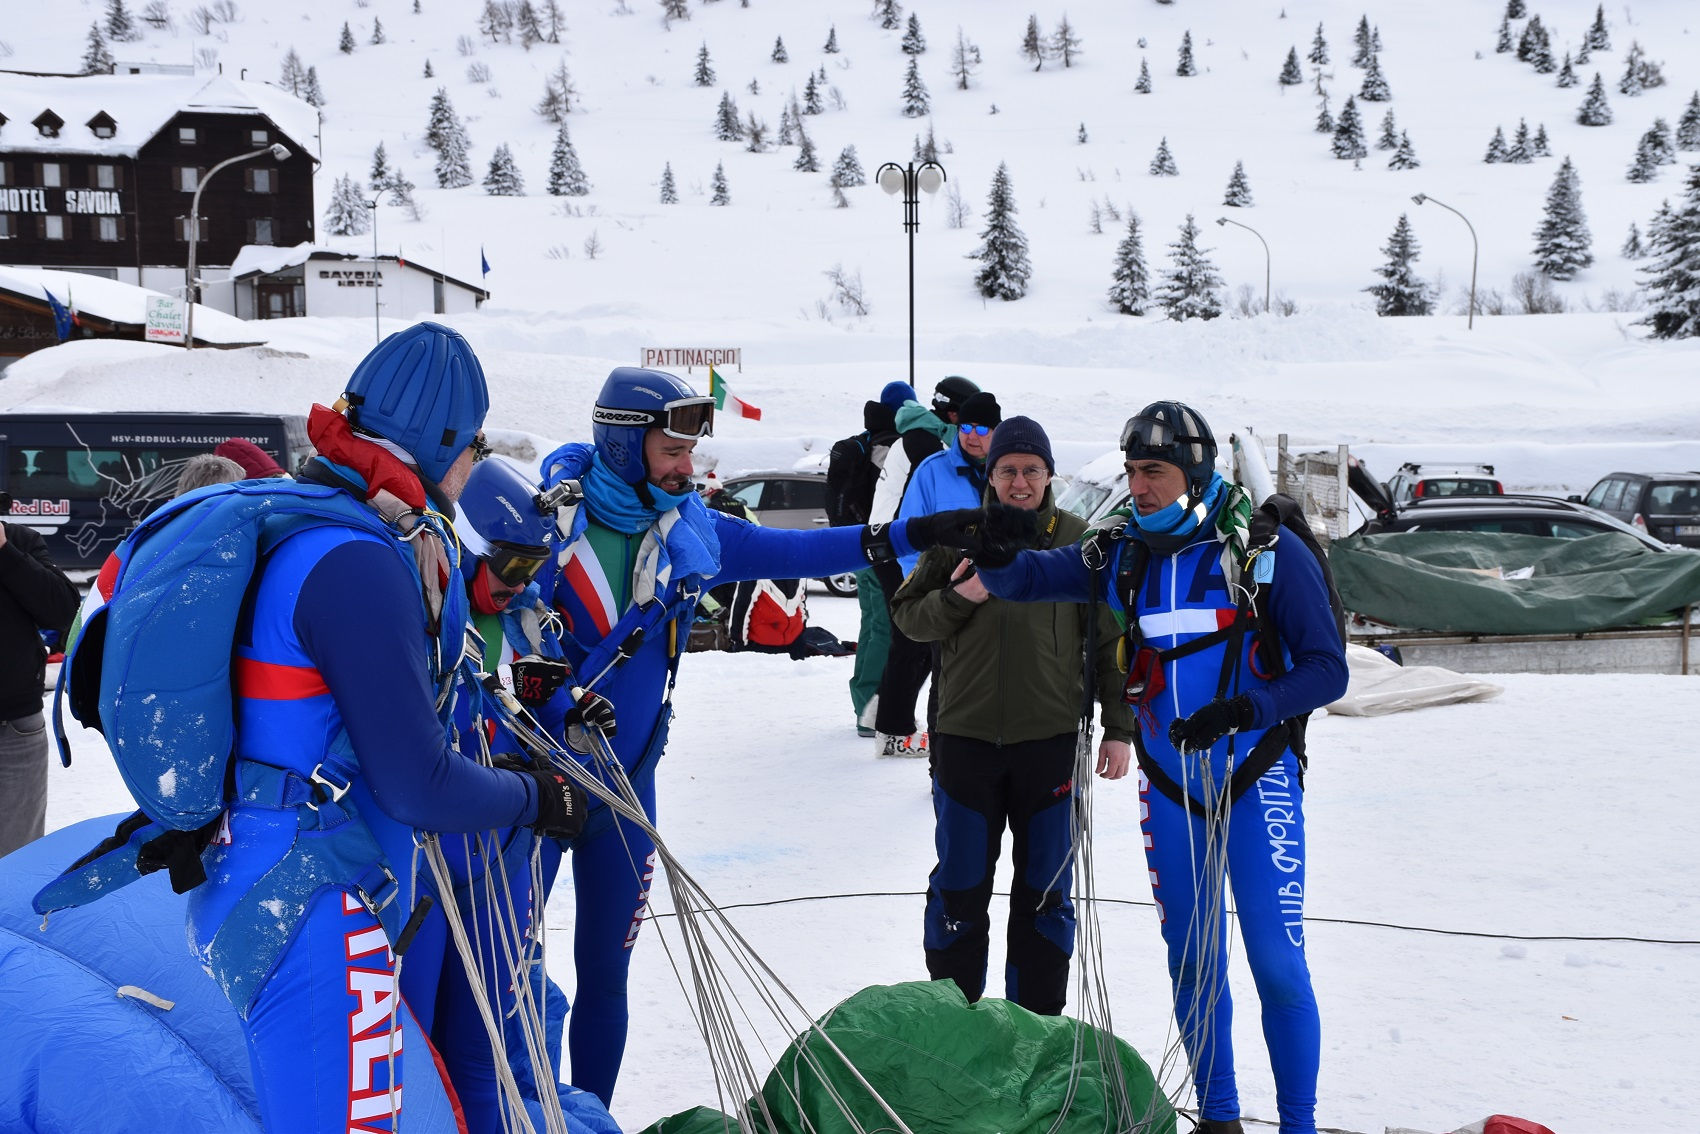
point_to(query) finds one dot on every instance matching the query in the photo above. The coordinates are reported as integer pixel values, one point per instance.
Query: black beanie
(1021, 435)
(951, 392)
(979, 409)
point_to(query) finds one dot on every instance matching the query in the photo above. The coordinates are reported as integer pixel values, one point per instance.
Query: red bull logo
(21, 508)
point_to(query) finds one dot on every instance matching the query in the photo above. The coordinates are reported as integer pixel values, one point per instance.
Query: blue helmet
(500, 522)
(423, 389)
(633, 401)
(1175, 433)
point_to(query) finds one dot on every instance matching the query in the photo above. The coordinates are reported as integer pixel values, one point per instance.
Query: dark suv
(1664, 505)
(1516, 515)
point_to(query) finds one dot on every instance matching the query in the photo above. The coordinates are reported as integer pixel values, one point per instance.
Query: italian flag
(725, 399)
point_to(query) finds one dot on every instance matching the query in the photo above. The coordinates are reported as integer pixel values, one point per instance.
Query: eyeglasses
(514, 565)
(1003, 474)
(480, 447)
(977, 430)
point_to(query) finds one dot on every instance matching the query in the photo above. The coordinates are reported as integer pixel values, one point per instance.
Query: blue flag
(483, 259)
(61, 317)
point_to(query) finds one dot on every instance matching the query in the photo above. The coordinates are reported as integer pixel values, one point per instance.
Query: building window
(262, 180)
(105, 177)
(5, 173)
(188, 177)
(260, 231)
(183, 229)
(107, 228)
(187, 135)
(7, 228)
(102, 130)
(52, 175)
(259, 138)
(53, 228)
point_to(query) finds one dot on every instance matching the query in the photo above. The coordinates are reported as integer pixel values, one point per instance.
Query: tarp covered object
(1445, 581)
(946, 1066)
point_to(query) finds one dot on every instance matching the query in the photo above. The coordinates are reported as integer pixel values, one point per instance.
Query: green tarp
(945, 1067)
(1442, 581)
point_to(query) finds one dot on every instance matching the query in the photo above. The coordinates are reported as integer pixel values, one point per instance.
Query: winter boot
(886, 744)
(1218, 1126)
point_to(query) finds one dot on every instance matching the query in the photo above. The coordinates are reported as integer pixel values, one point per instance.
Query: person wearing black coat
(34, 596)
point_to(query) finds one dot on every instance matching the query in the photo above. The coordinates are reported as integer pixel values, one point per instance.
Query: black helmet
(951, 392)
(1173, 432)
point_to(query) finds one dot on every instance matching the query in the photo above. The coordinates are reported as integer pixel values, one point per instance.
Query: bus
(84, 480)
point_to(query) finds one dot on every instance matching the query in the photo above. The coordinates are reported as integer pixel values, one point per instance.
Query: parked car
(1514, 514)
(1665, 505)
(1416, 481)
(789, 498)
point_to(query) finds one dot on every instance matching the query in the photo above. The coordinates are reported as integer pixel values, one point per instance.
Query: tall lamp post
(1470, 320)
(1265, 243)
(910, 180)
(191, 286)
(377, 328)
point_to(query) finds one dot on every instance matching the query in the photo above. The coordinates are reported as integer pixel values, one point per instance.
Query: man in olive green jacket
(1010, 699)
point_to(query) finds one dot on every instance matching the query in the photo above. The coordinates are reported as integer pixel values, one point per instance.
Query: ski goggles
(480, 447)
(515, 565)
(689, 419)
(978, 430)
(1154, 439)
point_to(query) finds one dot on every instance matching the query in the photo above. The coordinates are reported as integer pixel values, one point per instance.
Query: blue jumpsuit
(1260, 846)
(335, 670)
(613, 863)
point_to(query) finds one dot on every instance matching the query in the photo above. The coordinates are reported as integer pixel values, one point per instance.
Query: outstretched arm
(1058, 574)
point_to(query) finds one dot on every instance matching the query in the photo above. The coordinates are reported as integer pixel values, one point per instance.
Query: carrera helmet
(633, 401)
(1174, 433)
(499, 522)
(423, 389)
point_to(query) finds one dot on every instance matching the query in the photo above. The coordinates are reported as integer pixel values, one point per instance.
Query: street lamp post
(911, 179)
(377, 328)
(1265, 243)
(1470, 319)
(191, 286)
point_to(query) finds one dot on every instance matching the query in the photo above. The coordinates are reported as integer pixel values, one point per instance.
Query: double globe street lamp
(191, 286)
(911, 180)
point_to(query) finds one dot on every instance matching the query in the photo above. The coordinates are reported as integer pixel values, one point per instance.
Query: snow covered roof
(119, 302)
(264, 259)
(138, 106)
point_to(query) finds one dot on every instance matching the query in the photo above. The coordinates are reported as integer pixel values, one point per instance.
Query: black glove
(991, 536)
(1211, 723)
(592, 710)
(560, 804)
(536, 679)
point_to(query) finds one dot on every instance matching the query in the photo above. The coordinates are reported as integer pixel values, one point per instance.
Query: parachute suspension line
(706, 933)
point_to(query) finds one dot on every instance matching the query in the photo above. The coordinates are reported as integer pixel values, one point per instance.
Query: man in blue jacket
(1211, 704)
(642, 549)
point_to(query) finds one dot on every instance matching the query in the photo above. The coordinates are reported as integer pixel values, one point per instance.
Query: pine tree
(1375, 87)
(675, 10)
(1143, 85)
(1527, 42)
(704, 76)
(1582, 53)
(347, 215)
(1540, 53)
(963, 58)
(566, 175)
(1004, 267)
(1238, 194)
(445, 134)
(428, 72)
(728, 127)
(1131, 291)
(1184, 66)
(120, 28)
(1349, 133)
(1504, 42)
(1595, 110)
(381, 172)
(811, 96)
(1521, 152)
(526, 23)
(1080, 137)
(1363, 40)
(1389, 139)
(916, 103)
(1514, 9)
(1539, 146)
(346, 43)
(1291, 75)
(1672, 279)
(669, 194)
(1645, 167)
(807, 160)
(831, 47)
(1688, 126)
(1401, 291)
(1163, 163)
(1496, 149)
(503, 178)
(553, 20)
(1190, 288)
(1562, 242)
(558, 95)
(378, 29)
(311, 93)
(1597, 39)
(721, 194)
(927, 150)
(1064, 45)
(1567, 73)
(891, 14)
(1405, 157)
(1318, 49)
(493, 21)
(914, 43)
(1324, 120)
(1632, 249)
(847, 170)
(780, 55)
(294, 74)
(1033, 43)
(1631, 83)
(97, 59)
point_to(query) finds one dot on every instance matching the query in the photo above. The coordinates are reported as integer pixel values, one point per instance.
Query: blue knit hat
(1021, 435)
(895, 394)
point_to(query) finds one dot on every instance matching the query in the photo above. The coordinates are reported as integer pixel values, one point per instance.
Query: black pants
(978, 789)
(908, 663)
